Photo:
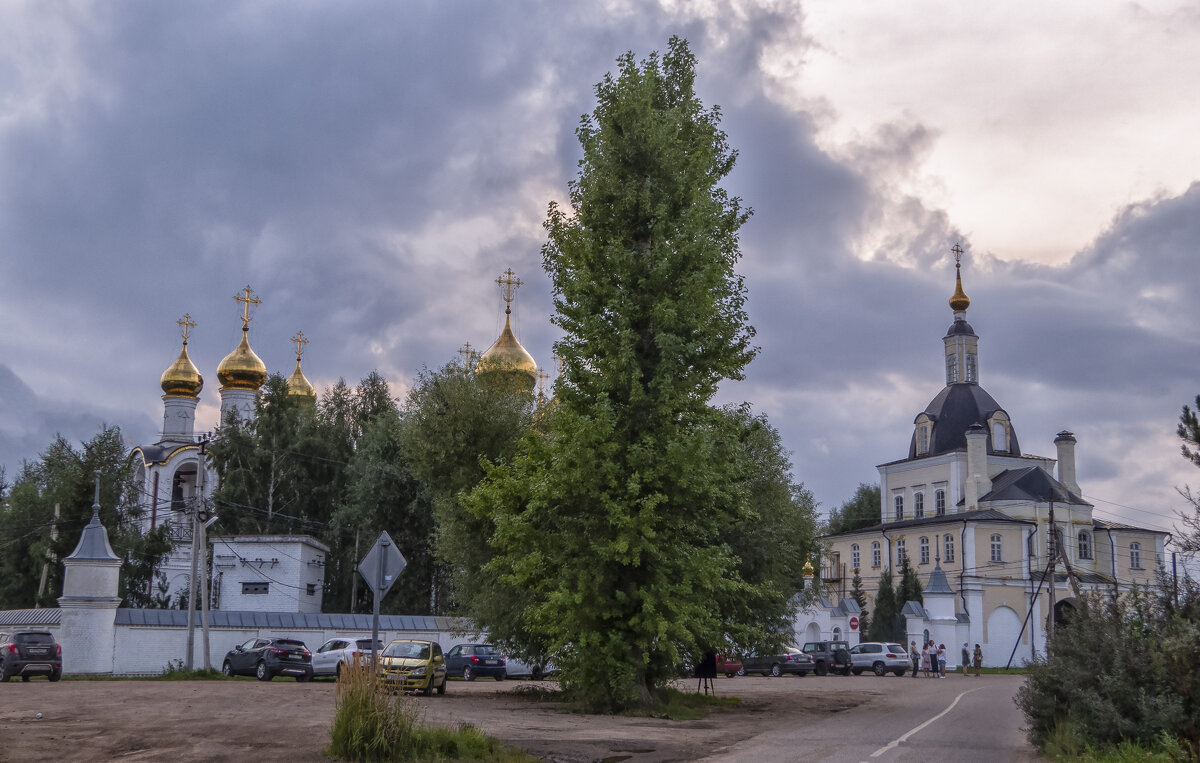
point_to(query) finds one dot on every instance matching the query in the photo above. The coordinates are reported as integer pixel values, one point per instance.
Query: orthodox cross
(508, 286)
(467, 353)
(558, 363)
(187, 323)
(300, 342)
(542, 376)
(247, 298)
(958, 253)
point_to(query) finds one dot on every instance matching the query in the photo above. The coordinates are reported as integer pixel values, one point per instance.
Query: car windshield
(34, 638)
(289, 643)
(409, 649)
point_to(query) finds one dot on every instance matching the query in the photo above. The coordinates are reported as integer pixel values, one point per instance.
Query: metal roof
(49, 616)
(291, 620)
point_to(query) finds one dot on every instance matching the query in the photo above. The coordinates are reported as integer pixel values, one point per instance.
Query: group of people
(931, 659)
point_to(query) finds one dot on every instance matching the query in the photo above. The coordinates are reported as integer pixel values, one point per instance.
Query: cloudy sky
(370, 168)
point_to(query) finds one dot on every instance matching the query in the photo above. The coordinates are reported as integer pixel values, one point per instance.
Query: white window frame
(939, 502)
(972, 367)
(901, 551)
(898, 507)
(855, 559)
(924, 549)
(919, 505)
(952, 369)
(1135, 556)
(1085, 544)
(997, 547)
(948, 548)
(876, 555)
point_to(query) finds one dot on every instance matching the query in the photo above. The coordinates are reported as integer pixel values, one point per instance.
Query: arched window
(898, 501)
(918, 505)
(952, 369)
(922, 439)
(972, 370)
(1085, 544)
(854, 558)
(875, 556)
(924, 550)
(837, 634)
(939, 502)
(999, 436)
(1135, 556)
(900, 552)
(948, 547)
(997, 548)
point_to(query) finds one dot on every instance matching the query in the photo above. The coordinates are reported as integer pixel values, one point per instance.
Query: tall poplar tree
(614, 521)
(887, 611)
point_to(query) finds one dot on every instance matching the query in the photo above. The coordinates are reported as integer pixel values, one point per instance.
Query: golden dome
(299, 386)
(959, 301)
(507, 355)
(182, 378)
(242, 369)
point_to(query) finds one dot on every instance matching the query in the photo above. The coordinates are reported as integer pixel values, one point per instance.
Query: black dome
(960, 327)
(957, 407)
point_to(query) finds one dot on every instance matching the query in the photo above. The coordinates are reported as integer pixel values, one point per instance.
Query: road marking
(895, 743)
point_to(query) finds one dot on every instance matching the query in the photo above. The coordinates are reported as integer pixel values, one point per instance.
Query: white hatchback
(339, 651)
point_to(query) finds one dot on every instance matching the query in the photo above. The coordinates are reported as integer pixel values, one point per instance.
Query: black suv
(265, 658)
(30, 653)
(829, 656)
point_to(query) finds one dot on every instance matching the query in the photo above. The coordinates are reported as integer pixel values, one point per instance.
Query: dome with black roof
(955, 408)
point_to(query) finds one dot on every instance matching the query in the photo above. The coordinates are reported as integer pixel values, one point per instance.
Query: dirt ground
(283, 720)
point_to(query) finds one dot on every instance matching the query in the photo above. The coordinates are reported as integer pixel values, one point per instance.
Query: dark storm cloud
(371, 168)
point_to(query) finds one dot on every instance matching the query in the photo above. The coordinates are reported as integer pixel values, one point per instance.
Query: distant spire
(959, 301)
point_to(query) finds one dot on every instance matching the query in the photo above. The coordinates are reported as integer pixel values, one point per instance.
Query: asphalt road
(907, 719)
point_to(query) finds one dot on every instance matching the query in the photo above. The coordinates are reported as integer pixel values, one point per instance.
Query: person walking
(941, 658)
(966, 659)
(915, 656)
(978, 660)
(925, 659)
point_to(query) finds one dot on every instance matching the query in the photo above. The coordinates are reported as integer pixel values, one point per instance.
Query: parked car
(730, 666)
(30, 653)
(829, 656)
(474, 660)
(518, 668)
(413, 664)
(338, 651)
(879, 657)
(266, 658)
(788, 660)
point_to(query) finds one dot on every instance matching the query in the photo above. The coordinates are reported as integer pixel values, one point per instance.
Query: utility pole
(49, 558)
(192, 588)
(203, 525)
(1051, 538)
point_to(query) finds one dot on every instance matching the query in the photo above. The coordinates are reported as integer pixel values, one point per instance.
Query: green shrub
(371, 723)
(1124, 670)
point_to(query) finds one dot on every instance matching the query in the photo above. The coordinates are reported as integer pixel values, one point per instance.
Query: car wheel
(338, 671)
(856, 671)
(428, 690)
(304, 678)
(899, 673)
(501, 676)
(468, 674)
(441, 690)
(24, 679)
(536, 674)
(802, 674)
(56, 675)
(262, 673)
(880, 669)
(227, 669)
(730, 675)
(3, 673)
(775, 671)
(821, 669)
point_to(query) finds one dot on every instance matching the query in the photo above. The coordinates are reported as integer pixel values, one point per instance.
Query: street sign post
(380, 568)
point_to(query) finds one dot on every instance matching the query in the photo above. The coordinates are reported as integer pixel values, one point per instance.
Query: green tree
(910, 585)
(452, 422)
(1189, 431)
(859, 594)
(615, 523)
(862, 510)
(887, 610)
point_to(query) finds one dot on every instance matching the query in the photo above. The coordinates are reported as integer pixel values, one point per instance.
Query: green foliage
(1188, 541)
(684, 705)
(910, 585)
(1121, 670)
(862, 510)
(859, 594)
(628, 525)
(452, 423)
(65, 476)
(370, 724)
(884, 622)
(174, 671)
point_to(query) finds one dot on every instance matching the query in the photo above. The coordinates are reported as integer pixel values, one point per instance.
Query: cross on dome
(468, 353)
(247, 298)
(186, 323)
(508, 287)
(300, 342)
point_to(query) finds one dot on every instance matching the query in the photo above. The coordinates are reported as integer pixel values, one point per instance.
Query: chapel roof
(1030, 483)
(955, 408)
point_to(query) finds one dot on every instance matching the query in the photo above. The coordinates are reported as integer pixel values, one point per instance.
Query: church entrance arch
(1064, 610)
(812, 632)
(1003, 633)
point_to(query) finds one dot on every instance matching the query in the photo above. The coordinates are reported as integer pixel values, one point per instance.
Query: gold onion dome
(181, 378)
(959, 301)
(507, 354)
(297, 384)
(242, 369)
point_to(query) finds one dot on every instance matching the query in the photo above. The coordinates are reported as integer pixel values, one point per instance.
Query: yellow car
(414, 665)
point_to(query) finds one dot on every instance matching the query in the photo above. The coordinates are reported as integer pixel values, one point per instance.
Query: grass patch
(374, 724)
(1065, 745)
(684, 705)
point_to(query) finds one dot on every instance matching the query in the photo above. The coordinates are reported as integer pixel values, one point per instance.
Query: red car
(730, 666)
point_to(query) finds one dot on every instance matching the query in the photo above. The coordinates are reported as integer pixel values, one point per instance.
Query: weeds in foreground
(374, 724)
(1065, 745)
